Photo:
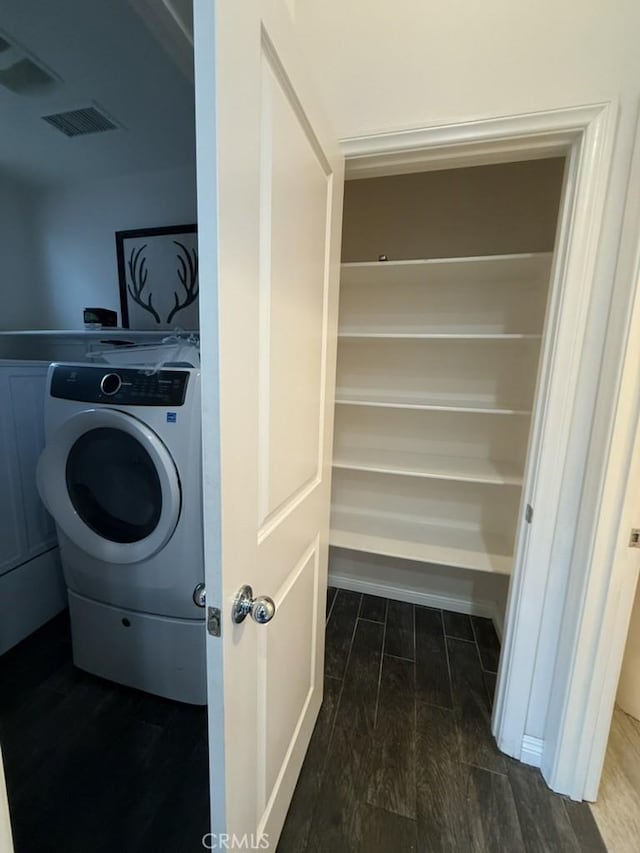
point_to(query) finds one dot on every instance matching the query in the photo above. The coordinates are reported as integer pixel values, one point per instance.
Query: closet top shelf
(532, 268)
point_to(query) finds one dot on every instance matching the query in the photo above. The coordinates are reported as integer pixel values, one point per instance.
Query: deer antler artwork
(139, 272)
(188, 275)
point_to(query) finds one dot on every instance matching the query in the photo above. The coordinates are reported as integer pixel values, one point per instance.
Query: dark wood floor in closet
(402, 756)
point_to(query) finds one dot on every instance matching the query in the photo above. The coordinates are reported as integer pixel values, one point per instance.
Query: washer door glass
(113, 485)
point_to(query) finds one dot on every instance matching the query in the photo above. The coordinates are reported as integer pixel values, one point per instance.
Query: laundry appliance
(121, 476)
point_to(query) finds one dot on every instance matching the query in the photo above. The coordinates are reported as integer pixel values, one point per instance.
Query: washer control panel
(124, 386)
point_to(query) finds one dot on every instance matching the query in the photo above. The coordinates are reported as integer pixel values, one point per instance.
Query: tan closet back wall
(483, 210)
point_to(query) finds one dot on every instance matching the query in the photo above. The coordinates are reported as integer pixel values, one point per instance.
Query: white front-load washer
(121, 476)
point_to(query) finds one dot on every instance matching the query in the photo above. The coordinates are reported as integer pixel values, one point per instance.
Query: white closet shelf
(413, 540)
(524, 268)
(431, 466)
(347, 334)
(390, 400)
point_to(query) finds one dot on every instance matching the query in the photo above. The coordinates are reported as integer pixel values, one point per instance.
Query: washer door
(111, 485)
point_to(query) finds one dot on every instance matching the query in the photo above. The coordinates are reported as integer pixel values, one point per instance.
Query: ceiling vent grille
(80, 122)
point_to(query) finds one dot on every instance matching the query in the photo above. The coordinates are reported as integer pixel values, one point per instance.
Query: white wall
(76, 228)
(385, 66)
(629, 687)
(19, 253)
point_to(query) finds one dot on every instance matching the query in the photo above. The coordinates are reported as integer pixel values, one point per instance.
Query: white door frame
(545, 564)
(601, 599)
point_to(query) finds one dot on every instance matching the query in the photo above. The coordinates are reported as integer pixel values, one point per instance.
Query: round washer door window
(111, 485)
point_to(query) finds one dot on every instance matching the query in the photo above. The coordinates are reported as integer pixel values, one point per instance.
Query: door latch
(634, 539)
(213, 621)
(528, 514)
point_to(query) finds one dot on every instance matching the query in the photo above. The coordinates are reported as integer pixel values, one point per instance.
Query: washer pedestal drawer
(157, 654)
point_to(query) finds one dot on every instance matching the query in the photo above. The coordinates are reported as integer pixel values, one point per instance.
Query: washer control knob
(110, 384)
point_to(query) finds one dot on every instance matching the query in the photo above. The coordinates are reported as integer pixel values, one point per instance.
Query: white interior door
(269, 210)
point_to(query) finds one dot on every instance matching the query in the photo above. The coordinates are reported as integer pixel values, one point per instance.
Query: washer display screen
(113, 485)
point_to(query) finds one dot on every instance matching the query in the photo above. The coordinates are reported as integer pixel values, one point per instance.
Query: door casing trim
(547, 564)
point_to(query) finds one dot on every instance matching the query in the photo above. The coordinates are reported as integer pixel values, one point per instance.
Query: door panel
(295, 187)
(287, 692)
(270, 180)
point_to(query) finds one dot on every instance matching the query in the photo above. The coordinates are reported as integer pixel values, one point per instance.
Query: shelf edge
(342, 539)
(429, 475)
(431, 407)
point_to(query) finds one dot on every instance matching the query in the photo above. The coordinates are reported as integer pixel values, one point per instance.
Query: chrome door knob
(261, 608)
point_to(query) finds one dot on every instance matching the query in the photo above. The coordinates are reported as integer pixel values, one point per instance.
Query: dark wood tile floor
(93, 767)
(402, 757)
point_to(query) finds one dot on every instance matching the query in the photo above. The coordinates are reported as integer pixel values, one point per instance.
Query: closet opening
(444, 297)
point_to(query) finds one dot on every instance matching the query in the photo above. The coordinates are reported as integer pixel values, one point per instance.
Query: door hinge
(634, 539)
(528, 514)
(213, 621)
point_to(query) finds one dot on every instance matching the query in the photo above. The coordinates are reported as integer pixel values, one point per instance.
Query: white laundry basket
(149, 355)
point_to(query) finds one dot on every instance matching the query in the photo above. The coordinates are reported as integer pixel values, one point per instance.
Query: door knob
(261, 608)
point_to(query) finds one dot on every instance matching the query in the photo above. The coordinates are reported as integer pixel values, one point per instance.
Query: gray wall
(76, 227)
(57, 246)
(19, 256)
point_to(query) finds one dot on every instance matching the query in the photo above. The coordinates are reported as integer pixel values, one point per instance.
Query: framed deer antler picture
(158, 275)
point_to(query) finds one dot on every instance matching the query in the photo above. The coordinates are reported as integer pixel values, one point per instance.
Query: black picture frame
(185, 284)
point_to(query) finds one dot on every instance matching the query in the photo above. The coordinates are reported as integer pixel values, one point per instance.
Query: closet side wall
(485, 210)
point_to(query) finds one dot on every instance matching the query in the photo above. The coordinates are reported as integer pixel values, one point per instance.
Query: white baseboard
(531, 750)
(425, 584)
(426, 599)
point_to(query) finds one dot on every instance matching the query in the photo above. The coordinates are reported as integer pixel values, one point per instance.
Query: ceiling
(105, 55)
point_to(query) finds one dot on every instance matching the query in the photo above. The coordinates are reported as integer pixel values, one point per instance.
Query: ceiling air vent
(80, 122)
(25, 77)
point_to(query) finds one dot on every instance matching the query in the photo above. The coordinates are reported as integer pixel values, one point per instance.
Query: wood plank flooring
(402, 757)
(617, 811)
(94, 767)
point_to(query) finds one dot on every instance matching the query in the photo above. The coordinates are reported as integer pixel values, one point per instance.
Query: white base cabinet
(31, 588)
